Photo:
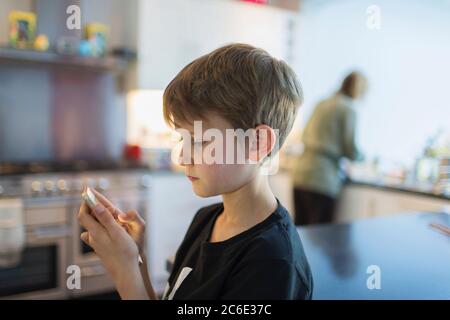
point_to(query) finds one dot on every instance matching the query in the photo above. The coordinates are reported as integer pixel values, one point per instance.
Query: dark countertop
(414, 259)
(427, 192)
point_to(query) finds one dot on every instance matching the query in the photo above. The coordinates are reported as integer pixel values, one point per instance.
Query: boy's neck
(250, 204)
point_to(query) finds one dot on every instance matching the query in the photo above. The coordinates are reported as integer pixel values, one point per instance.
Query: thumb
(131, 217)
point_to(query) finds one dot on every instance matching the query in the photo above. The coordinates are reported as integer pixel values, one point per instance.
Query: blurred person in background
(328, 137)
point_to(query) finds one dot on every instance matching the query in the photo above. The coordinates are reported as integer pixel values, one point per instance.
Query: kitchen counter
(401, 187)
(407, 188)
(413, 258)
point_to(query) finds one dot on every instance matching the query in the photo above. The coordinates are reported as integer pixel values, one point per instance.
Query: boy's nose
(184, 160)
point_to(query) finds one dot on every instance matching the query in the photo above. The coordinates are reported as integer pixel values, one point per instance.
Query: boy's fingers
(131, 216)
(85, 237)
(107, 220)
(83, 208)
(106, 203)
(87, 221)
(133, 220)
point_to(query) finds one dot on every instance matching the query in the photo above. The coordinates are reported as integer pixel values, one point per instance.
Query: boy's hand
(131, 221)
(135, 227)
(117, 249)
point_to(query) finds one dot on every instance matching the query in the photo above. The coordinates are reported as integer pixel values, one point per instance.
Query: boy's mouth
(192, 178)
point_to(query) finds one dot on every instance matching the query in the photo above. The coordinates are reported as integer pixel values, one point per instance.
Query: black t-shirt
(266, 261)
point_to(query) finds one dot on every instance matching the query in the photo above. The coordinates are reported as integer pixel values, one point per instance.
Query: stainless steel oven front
(40, 272)
(50, 206)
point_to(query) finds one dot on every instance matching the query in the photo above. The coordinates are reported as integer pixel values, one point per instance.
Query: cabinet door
(393, 202)
(173, 33)
(161, 31)
(172, 205)
(355, 202)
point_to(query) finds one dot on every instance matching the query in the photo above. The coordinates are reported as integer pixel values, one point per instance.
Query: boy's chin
(203, 192)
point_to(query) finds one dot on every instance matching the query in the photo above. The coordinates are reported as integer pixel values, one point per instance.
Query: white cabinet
(360, 201)
(173, 33)
(172, 205)
(160, 29)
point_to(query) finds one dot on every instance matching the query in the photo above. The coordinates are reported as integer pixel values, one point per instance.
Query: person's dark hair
(353, 85)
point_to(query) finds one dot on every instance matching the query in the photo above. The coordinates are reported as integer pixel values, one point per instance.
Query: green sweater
(328, 137)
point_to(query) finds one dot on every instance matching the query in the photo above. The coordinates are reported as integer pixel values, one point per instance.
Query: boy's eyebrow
(190, 132)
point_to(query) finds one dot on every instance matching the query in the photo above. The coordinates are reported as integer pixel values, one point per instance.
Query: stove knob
(103, 184)
(62, 185)
(36, 187)
(49, 186)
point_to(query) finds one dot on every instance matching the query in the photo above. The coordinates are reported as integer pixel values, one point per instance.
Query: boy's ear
(262, 142)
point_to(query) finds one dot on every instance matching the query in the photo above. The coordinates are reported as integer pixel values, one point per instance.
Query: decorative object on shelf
(95, 34)
(124, 53)
(41, 43)
(67, 45)
(85, 48)
(22, 29)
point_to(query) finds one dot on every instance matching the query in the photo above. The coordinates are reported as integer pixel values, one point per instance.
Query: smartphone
(89, 197)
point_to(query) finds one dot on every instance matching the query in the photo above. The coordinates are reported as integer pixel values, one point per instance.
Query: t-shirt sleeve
(266, 279)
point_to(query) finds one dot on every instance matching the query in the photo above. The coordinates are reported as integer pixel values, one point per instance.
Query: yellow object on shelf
(96, 34)
(22, 29)
(41, 43)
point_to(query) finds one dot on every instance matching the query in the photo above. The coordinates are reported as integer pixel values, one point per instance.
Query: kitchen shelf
(19, 56)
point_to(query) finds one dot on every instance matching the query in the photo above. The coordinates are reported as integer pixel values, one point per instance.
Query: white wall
(119, 15)
(407, 62)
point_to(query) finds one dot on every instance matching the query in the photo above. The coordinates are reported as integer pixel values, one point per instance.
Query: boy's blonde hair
(243, 84)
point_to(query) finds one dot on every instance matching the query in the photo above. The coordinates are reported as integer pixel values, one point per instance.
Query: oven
(50, 208)
(40, 272)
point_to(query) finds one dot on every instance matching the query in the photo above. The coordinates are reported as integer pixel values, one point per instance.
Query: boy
(246, 247)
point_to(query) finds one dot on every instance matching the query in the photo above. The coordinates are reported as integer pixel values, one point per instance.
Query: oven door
(40, 273)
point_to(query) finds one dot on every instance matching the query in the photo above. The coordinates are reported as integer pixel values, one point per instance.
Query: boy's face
(199, 156)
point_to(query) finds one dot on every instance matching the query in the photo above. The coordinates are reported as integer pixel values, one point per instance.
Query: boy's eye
(191, 141)
(200, 143)
(194, 142)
